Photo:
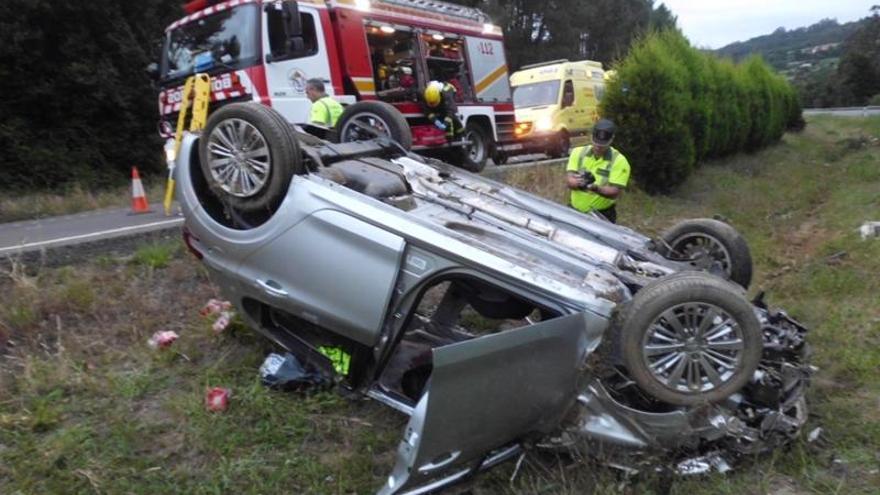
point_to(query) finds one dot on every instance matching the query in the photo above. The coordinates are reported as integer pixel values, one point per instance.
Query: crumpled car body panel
(337, 266)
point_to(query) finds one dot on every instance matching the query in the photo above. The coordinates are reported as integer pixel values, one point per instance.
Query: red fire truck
(374, 56)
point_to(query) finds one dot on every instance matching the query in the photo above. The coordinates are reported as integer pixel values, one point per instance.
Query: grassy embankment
(87, 407)
(16, 206)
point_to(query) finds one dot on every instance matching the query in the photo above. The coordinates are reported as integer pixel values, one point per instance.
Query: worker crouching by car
(598, 173)
(440, 109)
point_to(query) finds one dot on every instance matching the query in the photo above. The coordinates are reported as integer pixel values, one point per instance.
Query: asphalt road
(844, 112)
(94, 226)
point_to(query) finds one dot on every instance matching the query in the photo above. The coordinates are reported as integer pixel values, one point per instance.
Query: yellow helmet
(433, 93)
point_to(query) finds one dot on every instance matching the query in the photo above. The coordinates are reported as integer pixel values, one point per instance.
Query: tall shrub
(676, 105)
(649, 99)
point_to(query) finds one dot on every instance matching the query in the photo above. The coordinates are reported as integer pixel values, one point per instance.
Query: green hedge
(675, 105)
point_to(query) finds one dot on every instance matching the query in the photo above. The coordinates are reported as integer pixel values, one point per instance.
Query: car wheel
(706, 242)
(690, 338)
(562, 147)
(475, 154)
(367, 120)
(248, 153)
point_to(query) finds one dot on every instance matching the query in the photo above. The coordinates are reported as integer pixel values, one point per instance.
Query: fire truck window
(393, 57)
(568, 94)
(278, 39)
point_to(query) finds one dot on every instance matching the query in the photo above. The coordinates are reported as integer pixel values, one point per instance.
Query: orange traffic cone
(138, 196)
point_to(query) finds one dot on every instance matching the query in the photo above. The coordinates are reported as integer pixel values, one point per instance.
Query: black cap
(603, 132)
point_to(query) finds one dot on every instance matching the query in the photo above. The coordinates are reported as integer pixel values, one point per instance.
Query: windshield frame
(246, 60)
(542, 103)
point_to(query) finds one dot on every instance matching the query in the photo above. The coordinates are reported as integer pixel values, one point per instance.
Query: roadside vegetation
(72, 199)
(87, 407)
(677, 106)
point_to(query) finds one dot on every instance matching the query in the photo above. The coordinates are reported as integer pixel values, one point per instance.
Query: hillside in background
(787, 51)
(831, 64)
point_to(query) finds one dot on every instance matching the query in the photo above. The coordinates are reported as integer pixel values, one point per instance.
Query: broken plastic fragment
(217, 399)
(703, 465)
(870, 229)
(162, 340)
(222, 321)
(215, 306)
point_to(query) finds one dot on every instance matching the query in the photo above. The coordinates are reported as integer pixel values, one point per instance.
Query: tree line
(676, 105)
(600, 30)
(855, 79)
(77, 105)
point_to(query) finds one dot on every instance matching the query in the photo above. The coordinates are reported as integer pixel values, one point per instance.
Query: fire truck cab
(379, 51)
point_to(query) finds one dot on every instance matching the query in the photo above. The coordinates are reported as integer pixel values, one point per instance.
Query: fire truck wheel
(475, 154)
(370, 119)
(248, 153)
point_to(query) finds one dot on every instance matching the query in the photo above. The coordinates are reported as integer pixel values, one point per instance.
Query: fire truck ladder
(196, 96)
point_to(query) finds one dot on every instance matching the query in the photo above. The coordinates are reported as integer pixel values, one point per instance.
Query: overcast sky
(715, 23)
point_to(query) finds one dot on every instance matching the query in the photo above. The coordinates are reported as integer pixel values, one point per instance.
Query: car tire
(248, 154)
(474, 157)
(719, 240)
(368, 119)
(562, 147)
(689, 338)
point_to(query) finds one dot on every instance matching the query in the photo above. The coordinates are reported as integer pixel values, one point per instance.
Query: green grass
(17, 206)
(87, 407)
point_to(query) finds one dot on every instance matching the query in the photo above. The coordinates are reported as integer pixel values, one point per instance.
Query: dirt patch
(804, 241)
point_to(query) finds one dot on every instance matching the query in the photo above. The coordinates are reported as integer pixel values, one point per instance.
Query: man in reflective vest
(440, 108)
(598, 174)
(325, 110)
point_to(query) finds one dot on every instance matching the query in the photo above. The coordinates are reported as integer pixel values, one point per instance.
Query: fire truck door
(286, 78)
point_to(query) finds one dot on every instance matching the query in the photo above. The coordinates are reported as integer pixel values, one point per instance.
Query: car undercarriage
(500, 322)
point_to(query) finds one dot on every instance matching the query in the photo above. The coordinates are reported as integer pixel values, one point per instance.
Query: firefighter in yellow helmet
(440, 108)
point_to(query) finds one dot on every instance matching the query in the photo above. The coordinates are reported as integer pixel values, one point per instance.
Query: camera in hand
(587, 178)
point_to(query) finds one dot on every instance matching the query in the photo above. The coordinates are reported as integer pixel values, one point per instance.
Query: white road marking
(69, 239)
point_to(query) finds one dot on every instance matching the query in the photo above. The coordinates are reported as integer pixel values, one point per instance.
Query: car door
(488, 393)
(330, 269)
(286, 76)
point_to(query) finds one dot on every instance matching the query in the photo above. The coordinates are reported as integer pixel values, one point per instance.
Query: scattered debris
(222, 321)
(217, 399)
(287, 373)
(223, 311)
(814, 435)
(215, 306)
(703, 465)
(836, 258)
(162, 340)
(869, 230)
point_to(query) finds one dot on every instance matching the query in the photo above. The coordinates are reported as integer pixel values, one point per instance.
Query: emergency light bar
(450, 9)
(194, 6)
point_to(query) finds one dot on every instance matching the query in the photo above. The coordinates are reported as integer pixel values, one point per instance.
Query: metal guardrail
(859, 111)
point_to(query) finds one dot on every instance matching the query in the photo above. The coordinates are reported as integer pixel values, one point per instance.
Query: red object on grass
(217, 399)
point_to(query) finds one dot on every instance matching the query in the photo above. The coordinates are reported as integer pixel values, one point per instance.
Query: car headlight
(544, 124)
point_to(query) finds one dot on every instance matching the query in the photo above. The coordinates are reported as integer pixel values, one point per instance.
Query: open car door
(487, 394)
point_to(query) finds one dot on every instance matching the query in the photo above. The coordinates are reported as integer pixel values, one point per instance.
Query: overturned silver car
(498, 321)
